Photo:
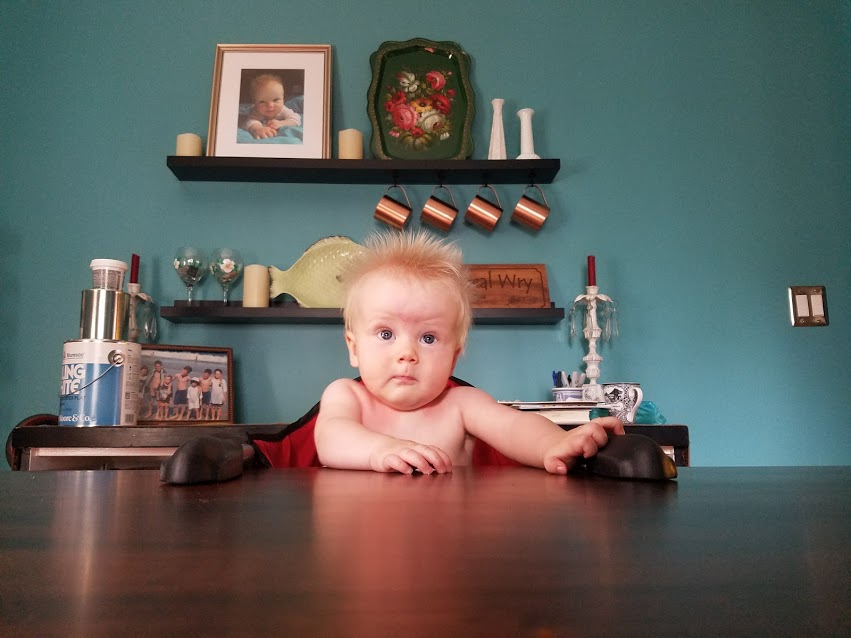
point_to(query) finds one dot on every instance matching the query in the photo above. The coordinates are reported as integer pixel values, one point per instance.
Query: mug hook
(498, 203)
(540, 190)
(408, 201)
(446, 188)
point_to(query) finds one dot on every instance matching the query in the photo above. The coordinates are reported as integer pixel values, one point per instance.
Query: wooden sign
(510, 285)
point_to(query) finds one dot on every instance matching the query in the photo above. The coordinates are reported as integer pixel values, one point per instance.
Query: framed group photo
(185, 385)
(271, 100)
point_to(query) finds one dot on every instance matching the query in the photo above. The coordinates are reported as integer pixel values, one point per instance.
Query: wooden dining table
(761, 551)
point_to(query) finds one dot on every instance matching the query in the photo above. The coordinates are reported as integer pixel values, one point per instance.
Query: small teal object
(647, 414)
(596, 413)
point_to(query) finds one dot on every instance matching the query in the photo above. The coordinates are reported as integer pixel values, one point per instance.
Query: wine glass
(226, 266)
(190, 265)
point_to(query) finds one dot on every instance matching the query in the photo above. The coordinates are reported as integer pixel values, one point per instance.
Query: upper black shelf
(290, 312)
(370, 171)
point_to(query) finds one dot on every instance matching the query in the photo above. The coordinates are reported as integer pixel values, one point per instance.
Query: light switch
(808, 305)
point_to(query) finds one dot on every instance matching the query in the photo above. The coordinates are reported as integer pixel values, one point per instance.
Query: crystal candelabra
(593, 301)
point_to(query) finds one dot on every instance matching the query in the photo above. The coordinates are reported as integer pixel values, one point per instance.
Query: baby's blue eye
(429, 338)
(385, 334)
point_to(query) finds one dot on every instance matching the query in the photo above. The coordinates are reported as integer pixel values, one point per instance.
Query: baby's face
(403, 339)
(269, 98)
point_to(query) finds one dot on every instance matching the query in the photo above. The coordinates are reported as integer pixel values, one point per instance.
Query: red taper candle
(592, 271)
(134, 269)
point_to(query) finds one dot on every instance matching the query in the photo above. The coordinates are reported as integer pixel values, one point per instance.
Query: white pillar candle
(188, 144)
(350, 144)
(255, 286)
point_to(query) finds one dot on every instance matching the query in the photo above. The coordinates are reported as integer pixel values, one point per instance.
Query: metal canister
(104, 314)
(100, 382)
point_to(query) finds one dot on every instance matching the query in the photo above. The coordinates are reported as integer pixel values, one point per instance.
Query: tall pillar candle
(188, 144)
(592, 271)
(350, 144)
(255, 286)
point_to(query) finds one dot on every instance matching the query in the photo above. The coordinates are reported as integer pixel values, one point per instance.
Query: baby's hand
(581, 442)
(409, 456)
(263, 132)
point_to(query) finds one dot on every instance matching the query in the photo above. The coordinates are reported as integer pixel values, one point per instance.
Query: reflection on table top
(492, 552)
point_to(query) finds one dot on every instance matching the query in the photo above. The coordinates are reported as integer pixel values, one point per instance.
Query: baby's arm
(530, 438)
(287, 117)
(276, 124)
(343, 442)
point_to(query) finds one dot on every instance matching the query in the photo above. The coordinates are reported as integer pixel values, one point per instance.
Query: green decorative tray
(420, 101)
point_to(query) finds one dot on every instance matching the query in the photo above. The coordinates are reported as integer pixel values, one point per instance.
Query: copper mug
(393, 212)
(437, 212)
(529, 212)
(482, 212)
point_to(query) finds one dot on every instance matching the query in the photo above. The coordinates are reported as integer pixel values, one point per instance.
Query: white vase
(527, 143)
(496, 150)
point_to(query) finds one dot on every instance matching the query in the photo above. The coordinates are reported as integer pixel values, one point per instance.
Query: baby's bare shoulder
(342, 398)
(348, 390)
(334, 388)
(342, 385)
(468, 396)
(341, 390)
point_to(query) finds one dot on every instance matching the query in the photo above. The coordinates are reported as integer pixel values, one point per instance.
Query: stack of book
(560, 412)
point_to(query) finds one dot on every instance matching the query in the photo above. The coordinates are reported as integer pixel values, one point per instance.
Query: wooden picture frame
(271, 100)
(211, 368)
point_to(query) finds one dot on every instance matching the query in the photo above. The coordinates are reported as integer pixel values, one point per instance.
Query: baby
(269, 112)
(407, 314)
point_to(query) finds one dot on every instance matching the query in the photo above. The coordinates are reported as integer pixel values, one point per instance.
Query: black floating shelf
(330, 171)
(290, 312)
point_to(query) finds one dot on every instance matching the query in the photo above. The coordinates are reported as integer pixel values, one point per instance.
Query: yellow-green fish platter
(315, 279)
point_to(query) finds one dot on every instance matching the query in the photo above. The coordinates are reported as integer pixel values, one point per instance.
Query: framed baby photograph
(271, 100)
(185, 385)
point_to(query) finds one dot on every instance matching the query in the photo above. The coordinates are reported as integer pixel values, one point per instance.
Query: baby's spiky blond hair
(420, 256)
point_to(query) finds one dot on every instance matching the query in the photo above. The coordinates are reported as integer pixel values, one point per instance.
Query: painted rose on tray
(419, 109)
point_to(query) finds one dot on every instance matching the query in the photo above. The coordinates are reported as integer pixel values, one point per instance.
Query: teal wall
(705, 161)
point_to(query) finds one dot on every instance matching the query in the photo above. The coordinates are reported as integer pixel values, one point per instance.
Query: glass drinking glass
(190, 265)
(226, 266)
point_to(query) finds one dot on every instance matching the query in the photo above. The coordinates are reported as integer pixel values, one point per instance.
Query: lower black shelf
(290, 312)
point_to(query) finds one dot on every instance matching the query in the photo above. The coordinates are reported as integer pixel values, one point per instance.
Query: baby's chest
(441, 428)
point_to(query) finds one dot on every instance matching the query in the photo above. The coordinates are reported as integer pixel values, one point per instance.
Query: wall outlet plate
(808, 306)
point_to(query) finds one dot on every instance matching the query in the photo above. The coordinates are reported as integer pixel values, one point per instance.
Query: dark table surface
(45, 435)
(486, 552)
